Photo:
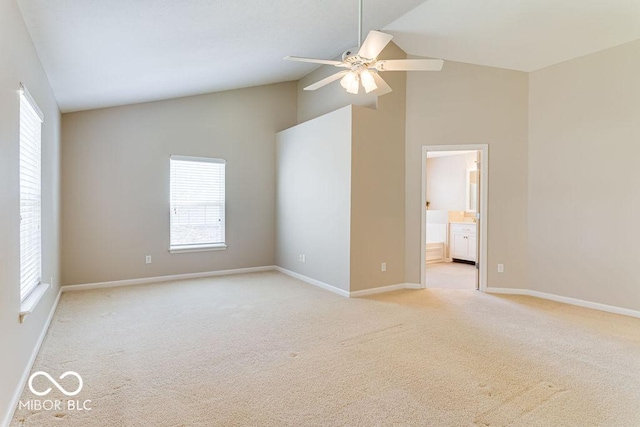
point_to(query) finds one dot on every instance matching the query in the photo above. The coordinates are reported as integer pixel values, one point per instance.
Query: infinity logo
(55, 383)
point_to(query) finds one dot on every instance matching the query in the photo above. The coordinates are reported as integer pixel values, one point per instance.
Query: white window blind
(30, 195)
(197, 202)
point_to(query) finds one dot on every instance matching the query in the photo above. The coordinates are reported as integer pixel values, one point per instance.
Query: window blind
(30, 195)
(197, 201)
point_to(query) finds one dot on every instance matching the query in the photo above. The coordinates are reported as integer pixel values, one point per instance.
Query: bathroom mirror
(472, 190)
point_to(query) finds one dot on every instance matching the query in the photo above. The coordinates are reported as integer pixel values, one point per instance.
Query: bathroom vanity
(463, 241)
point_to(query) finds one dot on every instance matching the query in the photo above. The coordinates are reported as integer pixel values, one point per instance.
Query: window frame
(33, 293)
(198, 247)
(37, 117)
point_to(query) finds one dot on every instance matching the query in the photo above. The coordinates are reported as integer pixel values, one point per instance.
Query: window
(30, 195)
(197, 203)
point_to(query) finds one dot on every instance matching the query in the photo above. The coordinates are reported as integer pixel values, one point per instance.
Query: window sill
(198, 248)
(29, 304)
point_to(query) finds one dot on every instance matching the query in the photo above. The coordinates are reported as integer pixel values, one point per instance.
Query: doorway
(454, 216)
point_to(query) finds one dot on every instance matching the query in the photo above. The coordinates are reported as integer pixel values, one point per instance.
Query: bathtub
(436, 239)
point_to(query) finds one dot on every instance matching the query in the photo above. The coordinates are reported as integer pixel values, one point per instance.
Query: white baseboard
(313, 282)
(507, 291)
(27, 370)
(326, 286)
(566, 300)
(383, 289)
(344, 293)
(145, 280)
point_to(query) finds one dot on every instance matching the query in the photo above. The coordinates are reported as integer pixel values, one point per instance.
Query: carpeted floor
(265, 349)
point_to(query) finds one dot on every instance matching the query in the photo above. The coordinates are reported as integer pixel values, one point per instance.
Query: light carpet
(268, 350)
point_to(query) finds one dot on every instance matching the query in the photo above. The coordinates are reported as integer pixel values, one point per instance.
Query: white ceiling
(524, 35)
(111, 52)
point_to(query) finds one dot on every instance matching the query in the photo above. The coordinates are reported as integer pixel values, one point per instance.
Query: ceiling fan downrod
(359, 24)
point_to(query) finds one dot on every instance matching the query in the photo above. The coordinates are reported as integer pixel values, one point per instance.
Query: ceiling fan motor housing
(352, 58)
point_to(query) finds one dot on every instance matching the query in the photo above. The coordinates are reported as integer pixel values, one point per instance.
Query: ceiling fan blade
(373, 44)
(315, 61)
(326, 81)
(409, 65)
(383, 87)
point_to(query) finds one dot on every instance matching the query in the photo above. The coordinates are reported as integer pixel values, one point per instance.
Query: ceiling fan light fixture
(368, 82)
(351, 82)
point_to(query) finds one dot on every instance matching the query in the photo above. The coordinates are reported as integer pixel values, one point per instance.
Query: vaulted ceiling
(524, 35)
(112, 52)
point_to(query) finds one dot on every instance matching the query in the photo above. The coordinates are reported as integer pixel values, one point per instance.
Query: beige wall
(20, 63)
(115, 181)
(377, 192)
(377, 177)
(340, 197)
(314, 198)
(447, 181)
(469, 104)
(584, 146)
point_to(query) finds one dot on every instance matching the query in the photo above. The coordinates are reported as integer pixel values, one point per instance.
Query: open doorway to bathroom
(454, 217)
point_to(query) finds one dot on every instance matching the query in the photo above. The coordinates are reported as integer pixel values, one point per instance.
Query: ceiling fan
(362, 64)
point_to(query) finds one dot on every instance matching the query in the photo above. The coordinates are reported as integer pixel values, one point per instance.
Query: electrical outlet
(500, 268)
(304, 258)
(148, 259)
(383, 267)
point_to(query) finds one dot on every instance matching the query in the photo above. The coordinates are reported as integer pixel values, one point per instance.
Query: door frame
(484, 207)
